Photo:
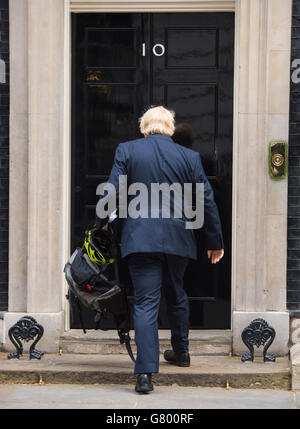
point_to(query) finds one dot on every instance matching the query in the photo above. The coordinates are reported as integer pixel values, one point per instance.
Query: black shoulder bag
(92, 289)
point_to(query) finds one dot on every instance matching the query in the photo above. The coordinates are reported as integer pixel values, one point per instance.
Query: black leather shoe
(179, 359)
(144, 383)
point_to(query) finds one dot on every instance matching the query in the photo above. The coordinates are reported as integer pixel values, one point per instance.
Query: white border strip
(66, 203)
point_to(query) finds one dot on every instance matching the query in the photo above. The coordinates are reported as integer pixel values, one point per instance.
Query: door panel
(112, 48)
(195, 79)
(190, 47)
(124, 62)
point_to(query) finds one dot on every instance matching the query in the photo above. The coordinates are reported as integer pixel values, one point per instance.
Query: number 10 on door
(158, 49)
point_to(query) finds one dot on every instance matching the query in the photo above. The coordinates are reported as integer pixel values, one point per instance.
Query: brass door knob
(277, 159)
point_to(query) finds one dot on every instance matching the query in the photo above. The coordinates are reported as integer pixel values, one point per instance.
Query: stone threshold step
(214, 342)
(205, 371)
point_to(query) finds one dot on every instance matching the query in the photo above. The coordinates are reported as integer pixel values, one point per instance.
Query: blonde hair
(158, 120)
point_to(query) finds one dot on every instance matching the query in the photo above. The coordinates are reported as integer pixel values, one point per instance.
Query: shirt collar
(161, 135)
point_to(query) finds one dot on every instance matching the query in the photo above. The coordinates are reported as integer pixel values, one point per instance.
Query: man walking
(158, 248)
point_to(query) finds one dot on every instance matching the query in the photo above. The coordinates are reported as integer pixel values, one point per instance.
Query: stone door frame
(40, 154)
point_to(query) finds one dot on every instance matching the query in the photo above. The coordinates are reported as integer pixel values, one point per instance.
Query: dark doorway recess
(124, 62)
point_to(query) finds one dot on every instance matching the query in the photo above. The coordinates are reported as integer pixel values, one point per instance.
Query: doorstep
(201, 342)
(207, 371)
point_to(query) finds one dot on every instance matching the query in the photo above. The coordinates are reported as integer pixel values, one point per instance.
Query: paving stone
(124, 397)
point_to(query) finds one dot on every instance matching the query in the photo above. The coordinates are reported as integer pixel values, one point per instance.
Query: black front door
(124, 62)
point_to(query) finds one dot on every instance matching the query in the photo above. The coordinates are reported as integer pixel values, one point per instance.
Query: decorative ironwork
(25, 329)
(258, 333)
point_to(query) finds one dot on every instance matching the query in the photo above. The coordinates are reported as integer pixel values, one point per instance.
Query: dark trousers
(151, 272)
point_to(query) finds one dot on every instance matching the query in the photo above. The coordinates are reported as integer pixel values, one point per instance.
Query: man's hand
(215, 255)
(105, 227)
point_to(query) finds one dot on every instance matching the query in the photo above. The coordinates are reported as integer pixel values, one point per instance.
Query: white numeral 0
(158, 45)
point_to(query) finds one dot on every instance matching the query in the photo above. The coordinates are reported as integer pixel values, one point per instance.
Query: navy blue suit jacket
(157, 159)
